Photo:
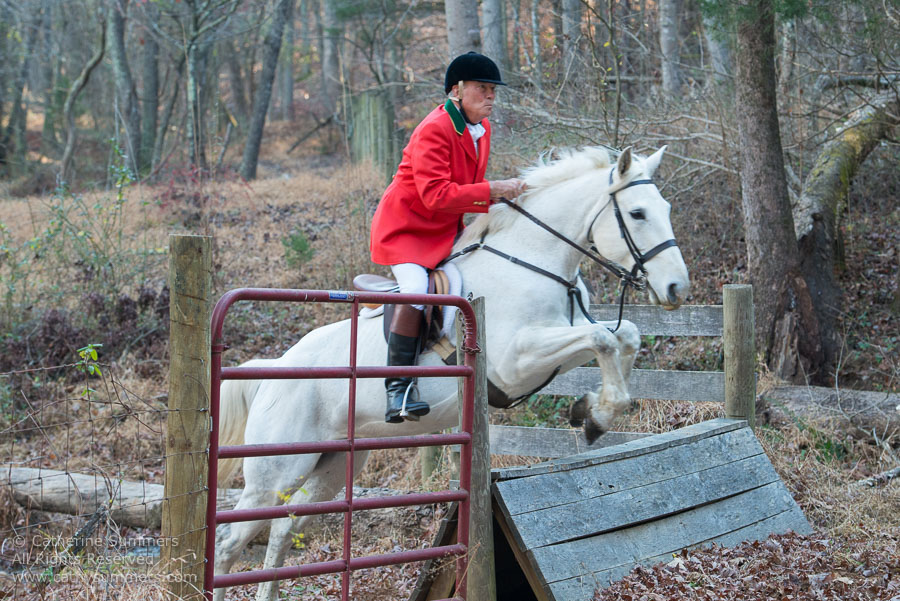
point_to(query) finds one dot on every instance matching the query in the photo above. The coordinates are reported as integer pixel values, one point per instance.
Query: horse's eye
(637, 214)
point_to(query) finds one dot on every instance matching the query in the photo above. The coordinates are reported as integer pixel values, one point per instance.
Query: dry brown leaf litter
(786, 567)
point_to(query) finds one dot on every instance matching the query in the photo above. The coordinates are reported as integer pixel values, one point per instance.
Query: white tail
(235, 399)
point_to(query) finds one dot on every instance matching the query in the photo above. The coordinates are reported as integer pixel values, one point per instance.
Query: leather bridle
(640, 259)
(636, 277)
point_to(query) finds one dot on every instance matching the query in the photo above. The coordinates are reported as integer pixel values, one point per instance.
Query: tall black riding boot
(403, 343)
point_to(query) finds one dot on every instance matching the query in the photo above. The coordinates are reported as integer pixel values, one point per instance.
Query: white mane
(568, 164)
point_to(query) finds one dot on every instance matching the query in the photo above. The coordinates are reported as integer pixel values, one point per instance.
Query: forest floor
(304, 224)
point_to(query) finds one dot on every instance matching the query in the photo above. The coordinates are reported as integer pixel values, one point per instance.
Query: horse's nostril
(673, 293)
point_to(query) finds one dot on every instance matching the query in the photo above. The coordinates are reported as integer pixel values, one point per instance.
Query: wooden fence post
(187, 428)
(481, 578)
(429, 460)
(740, 352)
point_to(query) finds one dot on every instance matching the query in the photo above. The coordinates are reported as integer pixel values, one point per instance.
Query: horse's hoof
(578, 412)
(592, 430)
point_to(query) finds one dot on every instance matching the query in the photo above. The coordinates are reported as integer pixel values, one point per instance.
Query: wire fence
(83, 479)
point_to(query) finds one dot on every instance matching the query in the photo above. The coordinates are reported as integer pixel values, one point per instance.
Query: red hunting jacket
(439, 179)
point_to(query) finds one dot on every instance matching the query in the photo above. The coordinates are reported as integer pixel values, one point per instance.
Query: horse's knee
(629, 337)
(604, 342)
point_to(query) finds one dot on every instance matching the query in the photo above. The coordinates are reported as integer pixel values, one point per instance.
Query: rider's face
(477, 98)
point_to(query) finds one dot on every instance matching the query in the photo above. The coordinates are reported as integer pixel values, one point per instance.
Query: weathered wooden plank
(543, 491)
(707, 386)
(652, 320)
(480, 574)
(610, 512)
(650, 444)
(550, 442)
(433, 576)
(627, 546)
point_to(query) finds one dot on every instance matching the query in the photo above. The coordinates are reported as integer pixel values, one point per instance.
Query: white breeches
(413, 279)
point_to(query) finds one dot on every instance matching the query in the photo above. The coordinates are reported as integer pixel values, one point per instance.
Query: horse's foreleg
(541, 350)
(629, 343)
(322, 485)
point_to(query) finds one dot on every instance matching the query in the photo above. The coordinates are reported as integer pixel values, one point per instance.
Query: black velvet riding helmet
(471, 66)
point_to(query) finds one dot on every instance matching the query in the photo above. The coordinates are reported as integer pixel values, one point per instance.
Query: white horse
(528, 337)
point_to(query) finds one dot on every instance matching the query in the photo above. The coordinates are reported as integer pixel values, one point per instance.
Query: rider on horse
(440, 178)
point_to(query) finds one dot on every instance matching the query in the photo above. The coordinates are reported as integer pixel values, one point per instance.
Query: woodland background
(275, 125)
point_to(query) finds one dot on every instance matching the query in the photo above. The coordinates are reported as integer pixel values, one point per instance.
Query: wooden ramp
(567, 527)
(580, 523)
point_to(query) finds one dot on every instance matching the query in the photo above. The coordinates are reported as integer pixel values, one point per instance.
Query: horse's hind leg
(322, 485)
(232, 538)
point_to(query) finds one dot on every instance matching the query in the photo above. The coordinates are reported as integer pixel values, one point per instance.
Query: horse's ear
(624, 162)
(652, 162)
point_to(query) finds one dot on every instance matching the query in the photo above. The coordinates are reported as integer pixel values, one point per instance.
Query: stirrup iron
(403, 412)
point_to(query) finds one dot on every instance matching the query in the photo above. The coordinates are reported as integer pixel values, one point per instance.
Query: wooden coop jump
(576, 523)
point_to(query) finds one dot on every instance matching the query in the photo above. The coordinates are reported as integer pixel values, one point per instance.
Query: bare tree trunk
(5, 58)
(571, 34)
(463, 33)
(332, 30)
(788, 52)
(125, 89)
(149, 97)
(494, 46)
(239, 106)
(196, 137)
(306, 9)
(537, 63)
(13, 143)
(494, 42)
(515, 58)
(822, 202)
(286, 72)
(167, 113)
(720, 62)
(670, 46)
(47, 71)
(69, 110)
(786, 325)
(271, 49)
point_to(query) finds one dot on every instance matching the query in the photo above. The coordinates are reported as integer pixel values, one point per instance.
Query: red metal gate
(348, 505)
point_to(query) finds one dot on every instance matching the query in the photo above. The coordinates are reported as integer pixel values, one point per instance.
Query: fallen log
(139, 504)
(134, 504)
(860, 412)
(878, 479)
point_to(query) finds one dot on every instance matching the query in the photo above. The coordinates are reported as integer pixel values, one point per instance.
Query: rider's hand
(507, 188)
